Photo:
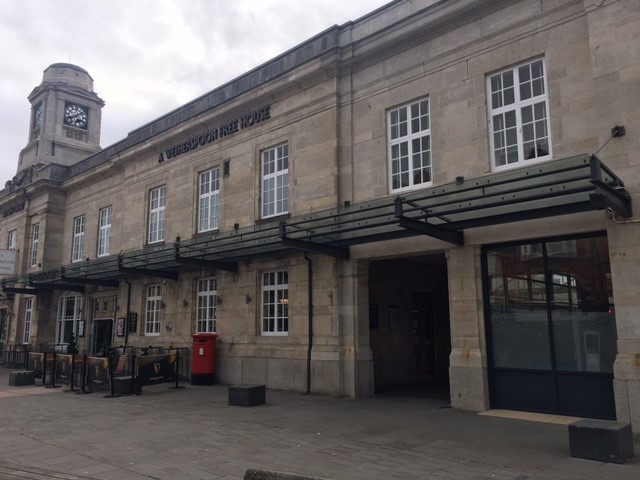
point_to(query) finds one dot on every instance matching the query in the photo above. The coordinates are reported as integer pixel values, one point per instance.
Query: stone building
(439, 189)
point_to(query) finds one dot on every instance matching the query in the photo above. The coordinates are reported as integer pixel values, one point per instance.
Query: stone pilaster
(468, 362)
(624, 253)
(353, 321)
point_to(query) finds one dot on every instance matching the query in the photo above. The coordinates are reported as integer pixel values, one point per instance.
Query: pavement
(192, 433)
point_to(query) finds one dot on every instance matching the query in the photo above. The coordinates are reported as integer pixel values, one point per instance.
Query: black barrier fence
(36, 362)
(124, 367)
(18, 356)
(157, 368)
(97, 374)
(122, 360)
(68, 369)
(123, 372)
(121, 379)
(183, 366)
(15, 356)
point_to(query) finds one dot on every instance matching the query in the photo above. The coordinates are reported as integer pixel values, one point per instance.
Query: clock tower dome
(65, 118)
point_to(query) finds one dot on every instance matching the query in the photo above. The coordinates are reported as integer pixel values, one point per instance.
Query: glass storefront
(551, 326)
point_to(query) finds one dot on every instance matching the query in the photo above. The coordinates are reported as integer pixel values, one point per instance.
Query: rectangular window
(207, 305)
(13, 240)
(519, 116)
(209, 200)
(77, 249)
(546, 309)
(154, 310)
(28, 313)
(68, 316)
(275, 303)
(275, 181)
(410, 146)
(35, 239)
(157, 204)
(104, 232)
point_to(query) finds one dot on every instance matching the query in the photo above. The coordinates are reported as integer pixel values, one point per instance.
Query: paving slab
(193, 433)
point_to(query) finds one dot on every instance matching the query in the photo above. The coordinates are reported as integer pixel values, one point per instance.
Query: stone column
(468, 362)
(624, 254)
(356, 359)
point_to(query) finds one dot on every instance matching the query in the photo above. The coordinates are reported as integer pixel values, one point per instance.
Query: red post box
(203, 360)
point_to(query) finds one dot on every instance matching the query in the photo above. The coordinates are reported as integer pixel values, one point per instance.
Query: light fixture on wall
(185, 304)
(169, 327)
(247, 298)
(618, 131)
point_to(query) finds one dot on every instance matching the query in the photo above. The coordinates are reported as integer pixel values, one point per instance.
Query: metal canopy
(199, 261)
(571, 185)
(576, 184)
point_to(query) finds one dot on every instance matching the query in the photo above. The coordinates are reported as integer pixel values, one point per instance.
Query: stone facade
(329, 101)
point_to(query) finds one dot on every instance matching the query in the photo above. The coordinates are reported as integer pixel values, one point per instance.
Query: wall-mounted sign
(7, 262)
(245, 121)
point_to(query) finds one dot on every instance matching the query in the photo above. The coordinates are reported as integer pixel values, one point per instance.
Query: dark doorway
(424, 333)
(409, 328)
(102, 335)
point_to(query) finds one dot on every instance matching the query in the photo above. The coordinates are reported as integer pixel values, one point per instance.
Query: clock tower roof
(68, 74)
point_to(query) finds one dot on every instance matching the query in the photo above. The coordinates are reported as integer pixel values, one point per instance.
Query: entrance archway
(409, 326)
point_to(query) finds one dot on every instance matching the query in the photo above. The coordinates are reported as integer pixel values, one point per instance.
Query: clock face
(76, 115)
(37, 116)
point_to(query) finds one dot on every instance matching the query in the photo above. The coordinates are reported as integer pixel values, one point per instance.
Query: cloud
(147, 57)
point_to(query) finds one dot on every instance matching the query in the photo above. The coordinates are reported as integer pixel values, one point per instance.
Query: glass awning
(571, 185)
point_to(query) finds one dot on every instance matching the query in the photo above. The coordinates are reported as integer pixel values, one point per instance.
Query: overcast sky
(146, 57)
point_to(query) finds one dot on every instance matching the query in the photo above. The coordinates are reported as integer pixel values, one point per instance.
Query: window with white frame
(410, 146)
(154, 310)
(209, 200)
(275, 181)
(12, 242)
(69, 310)
(77, 248)
(157, 204)
(104, 231)
(275, 303)
(35, 240)
(519, 116)
(28, 314)
(207, 305)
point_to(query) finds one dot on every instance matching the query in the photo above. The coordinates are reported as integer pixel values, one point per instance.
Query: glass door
(551, 326)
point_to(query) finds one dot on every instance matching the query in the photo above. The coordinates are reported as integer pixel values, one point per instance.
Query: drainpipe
(126, 322)
(310, 321)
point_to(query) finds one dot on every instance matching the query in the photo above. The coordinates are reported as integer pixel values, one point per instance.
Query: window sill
(274, 218)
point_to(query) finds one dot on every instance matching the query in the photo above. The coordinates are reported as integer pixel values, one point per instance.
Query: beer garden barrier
(123, 371)
(14, 356)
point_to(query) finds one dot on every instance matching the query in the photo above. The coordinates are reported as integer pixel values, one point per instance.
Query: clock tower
(65, 118)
